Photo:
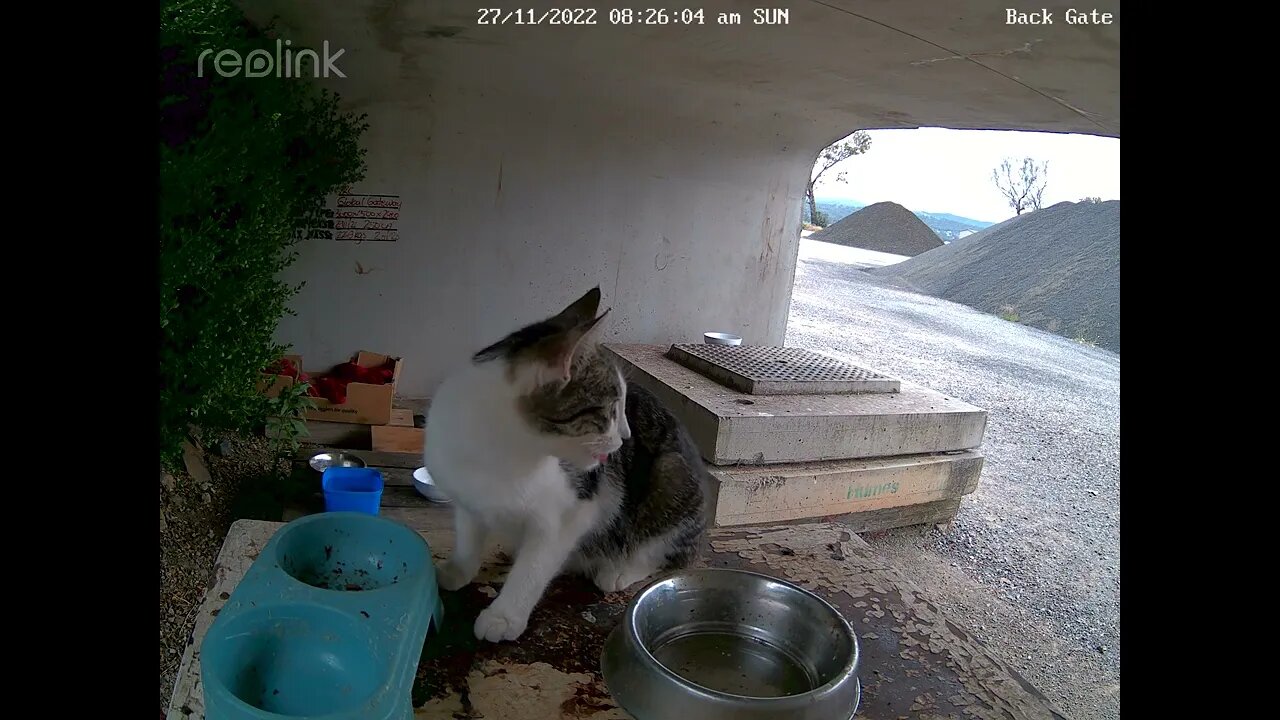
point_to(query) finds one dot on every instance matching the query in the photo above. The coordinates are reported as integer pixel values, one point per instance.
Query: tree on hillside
(834, 154)
(1022, 188)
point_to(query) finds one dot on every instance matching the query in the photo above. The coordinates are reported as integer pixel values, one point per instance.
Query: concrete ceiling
(836, 66)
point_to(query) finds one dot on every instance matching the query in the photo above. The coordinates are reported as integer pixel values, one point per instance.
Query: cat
(544, 447)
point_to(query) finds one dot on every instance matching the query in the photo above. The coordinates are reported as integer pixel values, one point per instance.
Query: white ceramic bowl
(719, 338)
(426, 488)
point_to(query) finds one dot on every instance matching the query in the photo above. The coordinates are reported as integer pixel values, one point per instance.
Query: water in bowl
(735, 663)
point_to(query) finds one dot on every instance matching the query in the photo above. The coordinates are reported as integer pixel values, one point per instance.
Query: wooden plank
(389, 438)
(396, 477)
(370, 457)
(404, 497)
(391, 476)
(798, 491)
(418, 406)
(435, 522)
(353, 436)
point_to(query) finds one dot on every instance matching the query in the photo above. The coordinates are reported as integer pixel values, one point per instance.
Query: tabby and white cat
(544, 447)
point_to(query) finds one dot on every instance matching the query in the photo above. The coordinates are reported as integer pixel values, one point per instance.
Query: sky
(937, 170)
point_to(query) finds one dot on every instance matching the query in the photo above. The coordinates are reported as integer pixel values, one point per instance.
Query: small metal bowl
(719, 644)
(334, 459)
(427, 488)
(719, 338)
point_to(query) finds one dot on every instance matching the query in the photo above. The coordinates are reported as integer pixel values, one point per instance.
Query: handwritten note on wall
(355, 217)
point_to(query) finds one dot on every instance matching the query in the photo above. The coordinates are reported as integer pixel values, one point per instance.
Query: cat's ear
(564, 347)
(580, 312)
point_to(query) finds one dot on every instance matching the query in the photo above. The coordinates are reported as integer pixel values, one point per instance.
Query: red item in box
(333, 386)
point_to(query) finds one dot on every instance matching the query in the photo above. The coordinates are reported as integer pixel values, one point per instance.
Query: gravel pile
(1031, 564)
(884, 227)
(1057, 269)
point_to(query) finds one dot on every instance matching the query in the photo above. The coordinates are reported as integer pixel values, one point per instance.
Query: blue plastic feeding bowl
(328, 622)
(352, 489)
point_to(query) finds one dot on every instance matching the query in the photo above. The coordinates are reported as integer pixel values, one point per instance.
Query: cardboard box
(366, 404)
(389, 438)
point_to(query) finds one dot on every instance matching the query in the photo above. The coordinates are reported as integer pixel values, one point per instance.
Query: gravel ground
(1032, 562)
(884, 227)
(196, 510)
(1057, 269)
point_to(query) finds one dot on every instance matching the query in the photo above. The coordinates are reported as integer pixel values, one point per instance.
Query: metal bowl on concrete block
(719, 644)
(719, 338)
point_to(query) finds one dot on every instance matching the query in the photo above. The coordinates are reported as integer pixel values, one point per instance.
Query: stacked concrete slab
(881, 453)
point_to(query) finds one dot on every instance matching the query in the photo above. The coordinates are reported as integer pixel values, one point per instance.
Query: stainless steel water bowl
(718, 644)
(334, 459)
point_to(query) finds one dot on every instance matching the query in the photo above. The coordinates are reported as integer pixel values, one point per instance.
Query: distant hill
(948, 227)
(884, 227)
(1057, 269)
(951, 227)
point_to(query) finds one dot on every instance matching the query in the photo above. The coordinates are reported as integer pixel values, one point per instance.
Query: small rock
(207, 497)
(195, 465)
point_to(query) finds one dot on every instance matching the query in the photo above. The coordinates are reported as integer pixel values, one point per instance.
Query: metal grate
(768, 370)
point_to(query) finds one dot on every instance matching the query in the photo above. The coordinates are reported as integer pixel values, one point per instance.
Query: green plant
(284, 420)
(1010, 313)
(244, 162)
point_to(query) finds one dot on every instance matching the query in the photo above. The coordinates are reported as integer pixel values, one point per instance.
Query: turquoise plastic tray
(328, 622)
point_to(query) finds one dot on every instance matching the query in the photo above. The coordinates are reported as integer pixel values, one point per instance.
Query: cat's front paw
(496, 625)
(451, 577)
(611, 581)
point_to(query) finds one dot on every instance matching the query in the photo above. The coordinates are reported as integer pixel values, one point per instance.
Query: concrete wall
(684, 231)
(664, 164)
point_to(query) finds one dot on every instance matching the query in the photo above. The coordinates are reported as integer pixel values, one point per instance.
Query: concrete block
(782, 493)
(732, 428)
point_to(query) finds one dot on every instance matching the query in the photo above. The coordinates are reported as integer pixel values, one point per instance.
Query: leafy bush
(244, 161)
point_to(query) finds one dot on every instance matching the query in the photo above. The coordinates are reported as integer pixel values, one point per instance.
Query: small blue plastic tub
(352, 489)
